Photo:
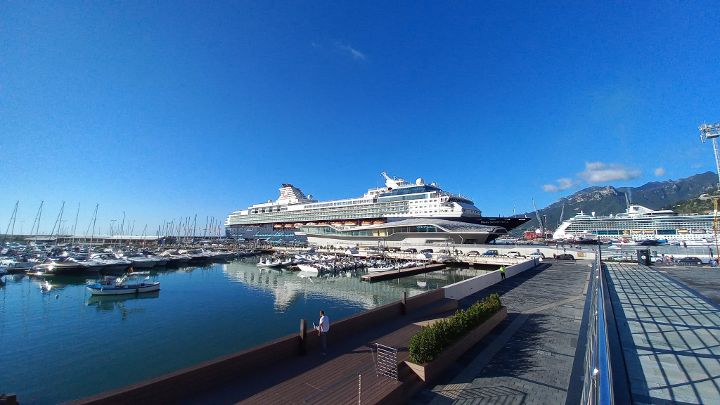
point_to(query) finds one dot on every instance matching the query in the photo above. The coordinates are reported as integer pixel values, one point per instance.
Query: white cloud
(660, 171)
(354, 53)
(599, 172)
(562, 184)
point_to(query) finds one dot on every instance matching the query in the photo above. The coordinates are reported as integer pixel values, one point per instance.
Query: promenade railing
(598, 385)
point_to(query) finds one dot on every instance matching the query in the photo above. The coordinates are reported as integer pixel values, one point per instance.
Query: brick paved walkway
(671, 343)
(529, 358)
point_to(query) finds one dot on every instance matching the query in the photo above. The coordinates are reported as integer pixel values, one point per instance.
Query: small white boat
(269, 263)
(308, 269)
(128, 284)
(379, 269)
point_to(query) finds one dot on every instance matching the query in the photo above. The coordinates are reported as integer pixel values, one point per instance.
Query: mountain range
(611, 200)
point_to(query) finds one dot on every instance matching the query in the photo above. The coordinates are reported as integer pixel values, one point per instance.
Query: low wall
(470, 286)
(176, 386)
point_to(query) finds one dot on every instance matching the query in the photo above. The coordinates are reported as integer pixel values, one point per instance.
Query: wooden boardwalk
(392, 274)
(333, 378)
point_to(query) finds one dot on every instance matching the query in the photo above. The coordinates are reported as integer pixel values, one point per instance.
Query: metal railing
(386, 361)
(597, 382)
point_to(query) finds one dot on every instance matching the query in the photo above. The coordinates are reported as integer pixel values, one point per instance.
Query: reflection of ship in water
(109, 303)
(287, 287)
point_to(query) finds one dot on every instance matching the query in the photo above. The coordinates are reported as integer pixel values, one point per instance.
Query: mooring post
(303, 335)
(404, 303)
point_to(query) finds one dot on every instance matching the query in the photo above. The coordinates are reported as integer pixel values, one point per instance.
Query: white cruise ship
(398, 200)
(638, 223)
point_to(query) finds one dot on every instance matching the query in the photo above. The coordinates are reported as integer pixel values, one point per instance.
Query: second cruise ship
(398, 200)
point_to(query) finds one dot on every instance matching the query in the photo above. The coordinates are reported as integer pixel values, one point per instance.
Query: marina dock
(537, 353)
(391, 274)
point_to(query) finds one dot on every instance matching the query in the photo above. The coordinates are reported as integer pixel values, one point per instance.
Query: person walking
(322, 329)
(502, 272)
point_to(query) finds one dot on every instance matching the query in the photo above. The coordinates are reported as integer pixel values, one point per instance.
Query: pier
(391, 274)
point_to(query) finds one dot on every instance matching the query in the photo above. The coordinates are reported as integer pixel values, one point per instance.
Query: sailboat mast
(58, 220)
(11, 221)
(37, 220)
(93, 223)
(77, 214)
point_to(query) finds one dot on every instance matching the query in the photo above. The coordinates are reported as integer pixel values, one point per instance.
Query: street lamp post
(712, 132)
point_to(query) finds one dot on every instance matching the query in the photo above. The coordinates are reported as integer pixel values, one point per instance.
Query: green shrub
(433, 339)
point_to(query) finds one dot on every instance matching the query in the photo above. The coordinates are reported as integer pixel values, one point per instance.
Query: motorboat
(381, 268)
(133, 283)
(307, 269)
(269, 263)
(108, 262)
(61, 266)
(17, 265)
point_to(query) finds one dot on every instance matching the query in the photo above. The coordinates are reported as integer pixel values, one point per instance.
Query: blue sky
(168, 109)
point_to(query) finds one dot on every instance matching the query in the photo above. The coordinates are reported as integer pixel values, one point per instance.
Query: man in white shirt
(323, 328)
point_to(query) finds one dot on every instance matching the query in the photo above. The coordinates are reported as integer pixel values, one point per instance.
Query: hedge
(433, 339)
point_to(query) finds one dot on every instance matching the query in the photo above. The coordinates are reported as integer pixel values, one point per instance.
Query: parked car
(410, 250)
(514, 253)
(491, 253)
(565, 256)
(537, 254)
(472, 253)
(426, 251)
(690, 261)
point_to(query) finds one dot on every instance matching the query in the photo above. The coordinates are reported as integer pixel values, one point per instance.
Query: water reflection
(51, 283)
(109, 303)
(288, 286)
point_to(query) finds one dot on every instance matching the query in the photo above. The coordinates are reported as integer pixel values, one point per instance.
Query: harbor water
(58, 343)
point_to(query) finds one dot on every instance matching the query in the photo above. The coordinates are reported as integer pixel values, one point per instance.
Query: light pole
(712, 132)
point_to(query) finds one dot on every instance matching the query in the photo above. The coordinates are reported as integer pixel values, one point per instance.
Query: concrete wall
(470, 286)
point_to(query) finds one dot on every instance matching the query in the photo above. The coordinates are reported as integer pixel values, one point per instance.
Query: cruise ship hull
(505, 222)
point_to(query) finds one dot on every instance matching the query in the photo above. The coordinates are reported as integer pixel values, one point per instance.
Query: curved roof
(447, 225)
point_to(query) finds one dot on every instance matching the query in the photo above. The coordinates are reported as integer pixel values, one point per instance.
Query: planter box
(429, 371)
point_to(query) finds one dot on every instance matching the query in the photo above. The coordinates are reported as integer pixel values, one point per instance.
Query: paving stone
(670, 338)
(534, 366)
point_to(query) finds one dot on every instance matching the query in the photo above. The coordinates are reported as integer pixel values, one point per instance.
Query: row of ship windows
(643, 226)
(340, 207)
(615, 232)
(372, 232)
(383, 207)
(304, 217)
